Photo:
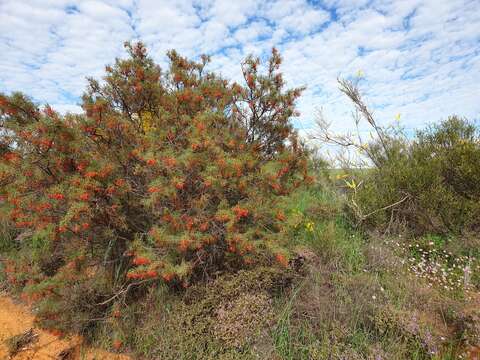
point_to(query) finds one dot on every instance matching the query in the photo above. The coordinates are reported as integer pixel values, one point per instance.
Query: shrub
(427, 183)
(228, 318)
(166, 176)
(437, 172)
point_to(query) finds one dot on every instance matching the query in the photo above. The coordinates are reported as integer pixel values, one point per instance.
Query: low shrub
(227, 318)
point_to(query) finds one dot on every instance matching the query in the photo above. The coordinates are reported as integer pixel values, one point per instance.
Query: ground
(15, 319)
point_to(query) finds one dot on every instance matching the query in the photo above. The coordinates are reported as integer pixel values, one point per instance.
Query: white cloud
(420, 57)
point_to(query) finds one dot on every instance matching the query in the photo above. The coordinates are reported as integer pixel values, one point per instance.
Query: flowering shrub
(166, 176)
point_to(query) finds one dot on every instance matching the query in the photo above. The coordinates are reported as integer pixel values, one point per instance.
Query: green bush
(437, 175)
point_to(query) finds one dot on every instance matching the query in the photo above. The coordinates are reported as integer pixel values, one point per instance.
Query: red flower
(120, 182)
(168, 276)
(151, 274)
(151, 162)
(62, 229)
(204, 226)
(283, 171)
(240, 212)
(169, 162)
(84, 196)
(56, 196)
(282, 260)
(170, 136)
(184, 244)
(180, 185)
(153, 189)
(138, 261)
(117, 344)
(11, 157)
(280, 216)
(49, 111)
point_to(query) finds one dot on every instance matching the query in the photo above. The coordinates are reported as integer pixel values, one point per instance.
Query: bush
(167, 176)
(428, 183)
(437, 171)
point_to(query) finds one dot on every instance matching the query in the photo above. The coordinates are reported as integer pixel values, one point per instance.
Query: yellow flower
(341, 176)
(397, 117)
(147, 121)
(360, 73)
(309, 226)
(351, 185)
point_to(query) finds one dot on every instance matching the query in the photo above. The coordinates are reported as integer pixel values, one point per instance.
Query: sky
(417, 58)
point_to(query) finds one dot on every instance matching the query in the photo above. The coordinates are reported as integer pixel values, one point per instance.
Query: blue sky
(420, 58)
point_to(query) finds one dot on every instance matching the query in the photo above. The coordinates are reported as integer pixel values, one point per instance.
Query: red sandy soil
(15, 319)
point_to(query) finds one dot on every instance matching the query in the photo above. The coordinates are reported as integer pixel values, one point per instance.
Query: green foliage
(434, 177)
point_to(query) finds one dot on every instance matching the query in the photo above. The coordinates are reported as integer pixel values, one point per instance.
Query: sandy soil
(15, 319)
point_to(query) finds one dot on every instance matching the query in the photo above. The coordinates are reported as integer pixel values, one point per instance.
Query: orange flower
(204, 226)
(280, 216)
(153, 189)
(240, 212)
(132, 275)
(168, 276)
(282, 260)
(56, 196)
(117, 344)
(184, 244)
(151, 162)
(85, 226)
(141, 261)
(222, 218)
(84, 196)
(91, 174)
(120, 182)
(151, 274)
(170, 136)
(11, 157)
(177, 78)
(283, 171)
(180, 185)
(169, 162)
(276, 187)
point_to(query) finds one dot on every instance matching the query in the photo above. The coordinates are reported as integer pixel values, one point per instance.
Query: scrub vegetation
(180, 216)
